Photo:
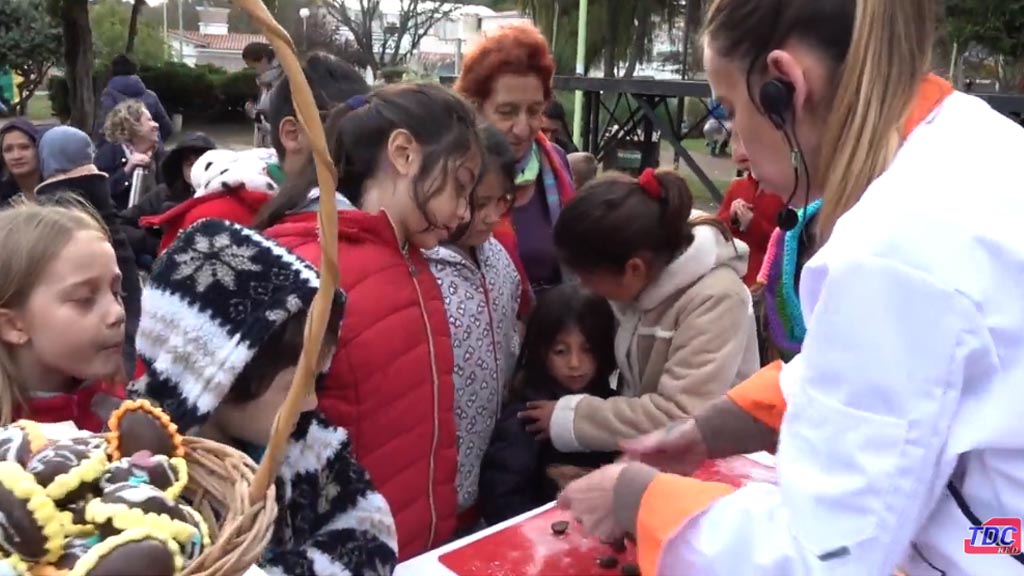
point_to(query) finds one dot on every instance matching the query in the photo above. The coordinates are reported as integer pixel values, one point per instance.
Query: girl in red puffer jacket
(408, 157)
(61, 318)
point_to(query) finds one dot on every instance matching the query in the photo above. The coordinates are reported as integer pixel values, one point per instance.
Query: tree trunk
(639, 46)
(694, 23)
(611, 39)
(133, 26)
(78, 63)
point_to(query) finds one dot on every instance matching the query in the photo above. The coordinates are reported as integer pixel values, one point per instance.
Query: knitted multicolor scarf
(778, 275)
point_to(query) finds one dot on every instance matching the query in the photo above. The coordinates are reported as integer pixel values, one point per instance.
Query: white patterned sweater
(481, 302)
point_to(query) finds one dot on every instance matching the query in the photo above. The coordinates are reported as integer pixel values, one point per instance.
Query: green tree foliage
(30, 44)
(996, 25)
(109, 21)
(618, 31)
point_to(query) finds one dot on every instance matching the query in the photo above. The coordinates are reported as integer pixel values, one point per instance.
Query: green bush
(202, 93)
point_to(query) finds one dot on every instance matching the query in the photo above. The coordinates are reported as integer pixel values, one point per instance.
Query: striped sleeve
(332, 520)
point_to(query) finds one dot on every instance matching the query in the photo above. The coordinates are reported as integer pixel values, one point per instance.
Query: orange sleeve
(761, 395)
(669, 502)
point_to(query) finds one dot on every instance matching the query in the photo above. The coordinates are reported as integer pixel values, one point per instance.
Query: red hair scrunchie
(649, 183)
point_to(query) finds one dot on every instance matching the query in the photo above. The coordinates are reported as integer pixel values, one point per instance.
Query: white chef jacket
(912, 368)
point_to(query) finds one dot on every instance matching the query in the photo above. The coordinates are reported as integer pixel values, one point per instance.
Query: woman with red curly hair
(508, 77)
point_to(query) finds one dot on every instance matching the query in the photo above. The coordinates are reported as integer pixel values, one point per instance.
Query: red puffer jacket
(390, 383)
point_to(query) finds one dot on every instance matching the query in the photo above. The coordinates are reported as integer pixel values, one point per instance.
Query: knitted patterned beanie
(213, 298)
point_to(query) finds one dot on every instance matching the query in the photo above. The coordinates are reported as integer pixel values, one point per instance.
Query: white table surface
(428, 565)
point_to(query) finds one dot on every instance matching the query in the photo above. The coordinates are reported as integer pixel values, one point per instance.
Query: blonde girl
(61, 318)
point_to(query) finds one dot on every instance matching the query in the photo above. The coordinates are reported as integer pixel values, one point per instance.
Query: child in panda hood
(225, 311)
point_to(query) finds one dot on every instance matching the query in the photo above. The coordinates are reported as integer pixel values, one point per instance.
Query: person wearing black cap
(176, 188)
(19, 159)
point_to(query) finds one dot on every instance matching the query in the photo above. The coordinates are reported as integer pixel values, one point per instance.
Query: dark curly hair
(518, 49)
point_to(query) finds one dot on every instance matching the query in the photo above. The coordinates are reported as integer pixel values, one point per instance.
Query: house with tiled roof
(213, 43)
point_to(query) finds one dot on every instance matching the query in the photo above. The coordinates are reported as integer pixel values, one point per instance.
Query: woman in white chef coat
(906, 397)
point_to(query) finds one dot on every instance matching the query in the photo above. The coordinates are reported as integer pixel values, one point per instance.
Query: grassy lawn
(701, 197)
(39, 107)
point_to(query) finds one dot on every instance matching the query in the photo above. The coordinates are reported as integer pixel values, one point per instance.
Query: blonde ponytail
(889, 55)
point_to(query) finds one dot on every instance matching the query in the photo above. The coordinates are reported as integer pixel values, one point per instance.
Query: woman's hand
(540, 412)
(744, 214)
(678, 448)
(591, 500)
(734, 208)
(137, 160)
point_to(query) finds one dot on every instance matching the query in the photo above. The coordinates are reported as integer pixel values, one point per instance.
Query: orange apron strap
(930, 94)
(669, 502)
(761, 395)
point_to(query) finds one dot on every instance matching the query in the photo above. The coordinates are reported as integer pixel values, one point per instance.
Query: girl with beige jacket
(675, 280)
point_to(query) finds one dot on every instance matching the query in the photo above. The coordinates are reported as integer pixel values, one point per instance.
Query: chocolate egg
(136, 426)
(30, 526)
(136, 552)
(90, 442)
(67, 470)
(192, 549)
(74, 550)
(140, 431)
(18, 441)
(167, 474)
(135, 505)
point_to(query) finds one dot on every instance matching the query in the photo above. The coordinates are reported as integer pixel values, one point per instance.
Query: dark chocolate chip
(630, 569)
(560, 527)
(608, 562)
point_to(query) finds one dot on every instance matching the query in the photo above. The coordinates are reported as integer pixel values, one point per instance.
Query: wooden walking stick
(327, 178)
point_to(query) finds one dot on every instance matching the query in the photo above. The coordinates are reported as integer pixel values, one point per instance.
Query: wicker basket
(219, 481)
(237, 498)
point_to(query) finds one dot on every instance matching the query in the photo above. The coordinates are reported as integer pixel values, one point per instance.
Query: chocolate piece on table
(630, 569)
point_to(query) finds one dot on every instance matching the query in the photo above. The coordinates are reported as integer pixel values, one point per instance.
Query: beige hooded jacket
(687, 339)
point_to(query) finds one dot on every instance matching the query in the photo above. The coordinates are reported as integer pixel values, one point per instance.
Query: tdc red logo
(997, 536)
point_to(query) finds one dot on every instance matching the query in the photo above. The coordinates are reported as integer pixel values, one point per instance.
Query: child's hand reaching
(540, 412)
(563, 474)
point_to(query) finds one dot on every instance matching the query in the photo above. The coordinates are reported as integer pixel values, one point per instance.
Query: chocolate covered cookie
(135, 552)
(139, 426)
(167, 474)
(30, 526)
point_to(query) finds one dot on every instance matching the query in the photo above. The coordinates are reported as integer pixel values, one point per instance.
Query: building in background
(213, 43)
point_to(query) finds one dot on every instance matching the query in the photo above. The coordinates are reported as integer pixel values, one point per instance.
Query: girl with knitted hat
(225, 316)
